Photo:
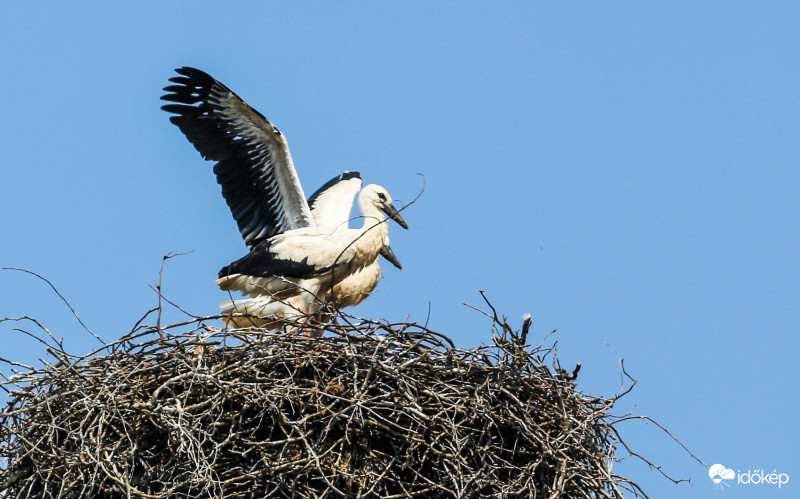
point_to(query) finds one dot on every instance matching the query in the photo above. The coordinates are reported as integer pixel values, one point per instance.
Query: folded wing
(331, 204)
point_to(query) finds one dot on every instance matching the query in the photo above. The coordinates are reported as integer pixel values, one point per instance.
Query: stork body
(296, 272)
(295, 264)
(330, 207)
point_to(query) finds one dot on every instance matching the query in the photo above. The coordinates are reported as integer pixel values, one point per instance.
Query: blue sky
(626, 173)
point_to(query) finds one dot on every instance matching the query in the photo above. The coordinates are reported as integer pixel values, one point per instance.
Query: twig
(60, 296)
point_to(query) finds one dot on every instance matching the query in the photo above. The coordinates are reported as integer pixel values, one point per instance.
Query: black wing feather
(260, 262)
(253, 162)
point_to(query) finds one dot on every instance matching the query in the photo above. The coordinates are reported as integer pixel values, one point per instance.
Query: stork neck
(373, 217)
(372, 220)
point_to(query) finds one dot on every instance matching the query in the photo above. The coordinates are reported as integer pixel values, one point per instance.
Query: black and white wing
(331, 204)
(254, 166)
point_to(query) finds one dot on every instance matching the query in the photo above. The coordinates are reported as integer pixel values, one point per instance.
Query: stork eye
(381, 196)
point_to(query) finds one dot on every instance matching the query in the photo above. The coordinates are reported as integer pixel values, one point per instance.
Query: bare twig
(60, 296)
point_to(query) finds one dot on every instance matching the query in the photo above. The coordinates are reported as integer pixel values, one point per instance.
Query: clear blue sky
(627, 174)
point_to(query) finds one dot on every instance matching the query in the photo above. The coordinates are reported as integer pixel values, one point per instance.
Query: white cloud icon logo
(719, 473)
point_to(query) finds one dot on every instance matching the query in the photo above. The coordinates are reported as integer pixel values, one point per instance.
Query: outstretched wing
(331, 204)
(254, 166)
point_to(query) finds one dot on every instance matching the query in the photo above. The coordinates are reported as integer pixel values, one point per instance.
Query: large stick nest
(372, 409)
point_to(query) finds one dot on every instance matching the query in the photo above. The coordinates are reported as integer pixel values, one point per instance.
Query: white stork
(295, 265)
(330, 207)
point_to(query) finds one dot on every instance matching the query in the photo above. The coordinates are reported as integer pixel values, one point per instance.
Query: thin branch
(60, 296)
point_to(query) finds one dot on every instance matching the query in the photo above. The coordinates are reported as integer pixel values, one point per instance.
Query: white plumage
(301, 257)
(344, 261)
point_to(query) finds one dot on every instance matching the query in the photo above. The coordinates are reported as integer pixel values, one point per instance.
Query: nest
(373, 409)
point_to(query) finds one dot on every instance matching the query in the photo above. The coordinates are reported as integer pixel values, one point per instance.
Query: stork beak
(387, 253)
(390, 210)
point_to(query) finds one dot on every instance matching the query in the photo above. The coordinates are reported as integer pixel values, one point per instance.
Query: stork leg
(313, 317)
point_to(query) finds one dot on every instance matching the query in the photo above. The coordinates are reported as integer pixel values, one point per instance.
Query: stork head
(376, 197)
